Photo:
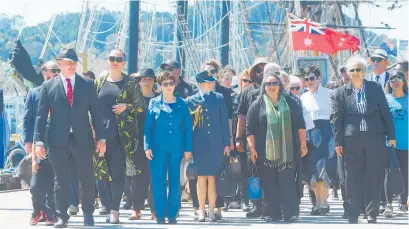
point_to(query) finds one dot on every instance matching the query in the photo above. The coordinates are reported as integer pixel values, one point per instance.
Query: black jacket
(347, 119)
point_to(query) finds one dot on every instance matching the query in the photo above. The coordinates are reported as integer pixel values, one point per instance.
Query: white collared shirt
(381, 79)
(317, 105)
(65, 83)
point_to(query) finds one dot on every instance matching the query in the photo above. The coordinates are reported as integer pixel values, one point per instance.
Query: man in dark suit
(42, 180)
(67, 101)
(361, 121)
(379, 61)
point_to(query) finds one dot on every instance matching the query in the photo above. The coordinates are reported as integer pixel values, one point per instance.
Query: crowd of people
(126, 135)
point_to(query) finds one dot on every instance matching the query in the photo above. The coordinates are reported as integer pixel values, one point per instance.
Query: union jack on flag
(308, 35)
(305, 25)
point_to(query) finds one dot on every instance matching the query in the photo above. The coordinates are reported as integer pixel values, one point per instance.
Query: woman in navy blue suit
(168, 137)
(211, 139)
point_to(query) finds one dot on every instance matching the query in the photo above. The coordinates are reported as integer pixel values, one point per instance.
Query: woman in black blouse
(276, 138)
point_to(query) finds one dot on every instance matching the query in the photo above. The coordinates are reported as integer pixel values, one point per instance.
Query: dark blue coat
(30, 113)
(212, 135)
(166, 129)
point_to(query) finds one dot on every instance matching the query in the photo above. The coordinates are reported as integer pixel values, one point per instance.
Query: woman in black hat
(140, 183)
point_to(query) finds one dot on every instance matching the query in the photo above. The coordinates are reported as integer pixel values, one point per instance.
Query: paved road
(15, 210)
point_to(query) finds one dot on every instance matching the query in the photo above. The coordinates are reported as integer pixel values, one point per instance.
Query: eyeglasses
(246, 81)
(271, 84)
(355, 70)
(376, 59)
(118, 59)
(168, 68)
(295, 88)
(170, 84)
(55, 71)
(259, 70)
(396, 80)
(312, 78)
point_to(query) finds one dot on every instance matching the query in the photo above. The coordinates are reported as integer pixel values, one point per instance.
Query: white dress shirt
(317, 105)
(64, 81)
(381, 79)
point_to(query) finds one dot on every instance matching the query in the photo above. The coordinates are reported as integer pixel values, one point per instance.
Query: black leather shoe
(160, 221)
(172, 221)
(88, 220)
(254, 213)
(61, 223)
(353, 221)
(371, 219)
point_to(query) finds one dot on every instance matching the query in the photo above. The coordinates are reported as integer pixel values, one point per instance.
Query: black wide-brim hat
(171, 63)
(147, 72)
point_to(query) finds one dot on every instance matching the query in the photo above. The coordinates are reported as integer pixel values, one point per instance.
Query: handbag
(236, 170)
(254, 184)
(394, 178)
(224, 180)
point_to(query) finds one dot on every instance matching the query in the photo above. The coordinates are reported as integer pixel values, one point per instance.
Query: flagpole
(289, 46)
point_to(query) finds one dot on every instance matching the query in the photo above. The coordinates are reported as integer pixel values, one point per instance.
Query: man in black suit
(67, 101)
(361, 121)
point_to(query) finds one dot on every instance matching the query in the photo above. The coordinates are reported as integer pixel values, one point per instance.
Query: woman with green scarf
(276, 138)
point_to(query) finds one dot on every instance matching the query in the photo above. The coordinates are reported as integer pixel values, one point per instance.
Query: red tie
(69, 91)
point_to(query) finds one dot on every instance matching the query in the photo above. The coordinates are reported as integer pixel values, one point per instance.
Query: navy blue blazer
(30, 113)
(166, 129)
(214, 134)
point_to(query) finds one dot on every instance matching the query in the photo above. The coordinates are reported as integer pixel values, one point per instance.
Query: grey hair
(359, 60)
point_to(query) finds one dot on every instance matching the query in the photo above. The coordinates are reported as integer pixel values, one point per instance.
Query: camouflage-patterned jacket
(132, 96)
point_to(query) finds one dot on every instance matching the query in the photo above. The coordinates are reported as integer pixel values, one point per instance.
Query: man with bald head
(42, 180)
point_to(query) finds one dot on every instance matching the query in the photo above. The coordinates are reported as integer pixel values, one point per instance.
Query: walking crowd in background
(249, 141)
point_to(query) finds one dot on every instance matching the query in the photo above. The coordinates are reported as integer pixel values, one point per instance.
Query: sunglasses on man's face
(311, 78)
(259, 70)
(271, 84)
(355, 70)
(376, 59)
(169, 84)
(55, 71)
(118, 59)
(295, 88)
(246, 81)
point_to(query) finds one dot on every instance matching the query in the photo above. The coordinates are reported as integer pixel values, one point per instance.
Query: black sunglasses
(269, 84)
(246, 81)
(168, 68)
(214, 71)
(312, 78)
(170, 84)
(55, 71)
(396, 79)
(118, 59)
(355, 70)
(376, 59)
(259, 70)
(295, 88)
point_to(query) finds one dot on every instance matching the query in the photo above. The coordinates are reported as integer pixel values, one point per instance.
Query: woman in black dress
(276, 138)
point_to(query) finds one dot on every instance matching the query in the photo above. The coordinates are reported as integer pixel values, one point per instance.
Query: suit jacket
(387, 76)
(168, 130)
(30, 113)
(347, 119)
(53, 99)
(212, 132)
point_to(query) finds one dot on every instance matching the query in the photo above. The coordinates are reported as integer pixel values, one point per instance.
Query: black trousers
(141, 190)
(116, 165)
(42, 188)
(403, 162)
(82, 158)
(364, 157)
(280, 192)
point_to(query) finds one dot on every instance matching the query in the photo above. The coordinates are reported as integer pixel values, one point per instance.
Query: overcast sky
(35, 11)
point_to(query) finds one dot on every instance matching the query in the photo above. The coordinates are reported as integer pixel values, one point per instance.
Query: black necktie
(377, 80)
